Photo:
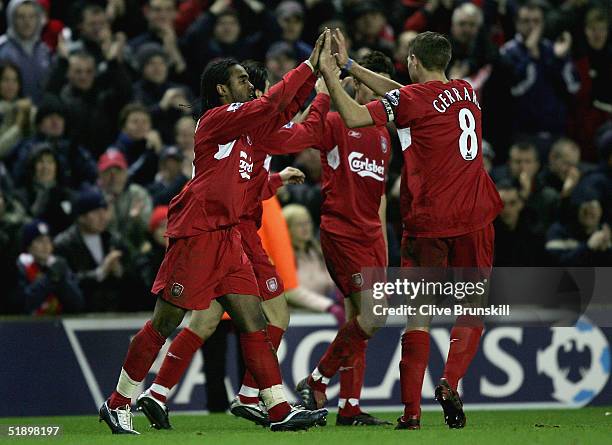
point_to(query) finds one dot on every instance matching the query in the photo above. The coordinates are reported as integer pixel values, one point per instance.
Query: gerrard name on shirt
(452, 95)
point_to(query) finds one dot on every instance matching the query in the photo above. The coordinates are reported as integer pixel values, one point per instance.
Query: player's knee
(277, 312)
(202, 330)
(165, 325)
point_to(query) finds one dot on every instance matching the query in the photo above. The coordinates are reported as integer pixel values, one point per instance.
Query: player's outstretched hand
(291, 175)
(327, 62)
(341, 55)
(316, 51)
(321, 86)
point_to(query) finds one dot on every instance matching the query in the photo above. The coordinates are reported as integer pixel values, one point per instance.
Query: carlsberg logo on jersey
(366, 167)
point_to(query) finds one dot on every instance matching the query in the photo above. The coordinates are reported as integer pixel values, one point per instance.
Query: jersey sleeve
(271, 186)
(293, 138)
(289, 112)
(396, 106)
(228, 122)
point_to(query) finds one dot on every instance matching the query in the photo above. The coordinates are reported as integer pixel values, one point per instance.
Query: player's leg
(475, 252)
(344, 264)
(260, 359)
(351, 374)
(417, 253)
(141, 354)
(246, 404)
(202, 325)
(274, 305)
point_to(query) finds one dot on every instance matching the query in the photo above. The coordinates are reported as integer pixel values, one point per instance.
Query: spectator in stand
(542, 76)
(184, 141)
(94, 35)
(472, 53)
(290, 16)
(15, 110)
(170, 178)
(120, 13)
(75, 163)
(370, 28)
(160, 15)
(92, 97)
(317, 289)
(43, 195)
(488, 154)
(516, 244)
(217, 33)
(499, 20)
(280, 59)
(47, 286)
(139, 143)
(167, 101)
(12, 218)
(130, 203)
(563, 171)
(600, 179)
(585, 240)
(593, 105)
(431, 15)
(51, 28)
(188, 12)
(22, 45)
(541, 201)
(98, 258)
(152, 251)
(400, 56)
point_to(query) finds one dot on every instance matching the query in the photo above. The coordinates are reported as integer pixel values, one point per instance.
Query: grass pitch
(580, 426)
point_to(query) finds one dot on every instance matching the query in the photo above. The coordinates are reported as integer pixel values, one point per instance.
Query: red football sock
(181, 351)
(140, 357)
(276, 335)
(465, 337)
(351, 381)
(349, 341)
(260, 359)
(415, 356)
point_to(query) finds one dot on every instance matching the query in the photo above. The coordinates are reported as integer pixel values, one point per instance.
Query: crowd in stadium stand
(97, 100)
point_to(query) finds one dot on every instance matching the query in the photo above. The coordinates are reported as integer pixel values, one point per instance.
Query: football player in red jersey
(448, 201)
(203, 238)
(202, 324)
(352, 233)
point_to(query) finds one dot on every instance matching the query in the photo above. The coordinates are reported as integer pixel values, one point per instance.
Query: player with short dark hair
(202, 223)
(448, 202)
(352, 232)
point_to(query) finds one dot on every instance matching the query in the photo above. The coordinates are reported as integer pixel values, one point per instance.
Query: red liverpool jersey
(354, 166)
(263, 186)
(215, 197)
(445, 190)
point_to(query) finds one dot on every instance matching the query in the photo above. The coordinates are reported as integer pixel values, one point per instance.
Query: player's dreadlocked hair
(378, 62)
(215, 73)
(258, 75)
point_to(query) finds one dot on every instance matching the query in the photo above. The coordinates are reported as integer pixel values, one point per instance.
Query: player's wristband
(307, 62)
(348, 65)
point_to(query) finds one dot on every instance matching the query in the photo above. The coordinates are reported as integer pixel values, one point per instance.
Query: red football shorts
(346, 258)
(268, 279)
(474, 249)
(200, 268)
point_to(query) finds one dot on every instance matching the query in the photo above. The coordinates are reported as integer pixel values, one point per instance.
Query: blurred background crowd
(97, 100)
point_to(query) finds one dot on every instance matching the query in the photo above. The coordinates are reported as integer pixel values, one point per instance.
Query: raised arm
(353, 114)
(377, 83)
(223, 124)
(293, 138)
